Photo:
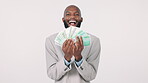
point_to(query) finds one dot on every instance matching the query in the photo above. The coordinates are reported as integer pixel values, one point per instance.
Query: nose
(72, 16)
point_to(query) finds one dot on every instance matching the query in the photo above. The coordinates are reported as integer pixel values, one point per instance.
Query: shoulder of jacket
(52, 36)
(93, 37)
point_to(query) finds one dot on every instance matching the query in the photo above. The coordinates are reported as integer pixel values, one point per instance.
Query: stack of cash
(71, 33)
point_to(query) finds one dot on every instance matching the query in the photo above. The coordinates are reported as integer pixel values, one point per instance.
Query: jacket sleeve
(88, 68)
(56, 69)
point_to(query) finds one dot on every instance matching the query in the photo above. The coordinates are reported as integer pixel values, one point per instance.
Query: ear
(63, 19)
(81, 19)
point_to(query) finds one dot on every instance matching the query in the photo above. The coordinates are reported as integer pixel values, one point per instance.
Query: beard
(66, 25)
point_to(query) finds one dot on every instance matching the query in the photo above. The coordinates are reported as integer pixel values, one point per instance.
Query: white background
(121, 25)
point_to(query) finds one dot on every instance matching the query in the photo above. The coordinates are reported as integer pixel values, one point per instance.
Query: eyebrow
(75, 12)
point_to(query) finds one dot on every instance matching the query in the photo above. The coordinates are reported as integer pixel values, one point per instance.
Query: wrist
(67, 58)
(78, 58)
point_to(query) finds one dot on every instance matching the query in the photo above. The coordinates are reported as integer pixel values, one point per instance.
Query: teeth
(72, 21)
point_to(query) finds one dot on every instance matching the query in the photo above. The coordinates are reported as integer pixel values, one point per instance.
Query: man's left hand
(78, 47)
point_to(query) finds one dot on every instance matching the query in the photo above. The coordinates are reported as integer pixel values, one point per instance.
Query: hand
(67, 48)
(78, 47)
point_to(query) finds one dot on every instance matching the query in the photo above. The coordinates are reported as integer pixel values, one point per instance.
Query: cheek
(66, 18)
(78, 18)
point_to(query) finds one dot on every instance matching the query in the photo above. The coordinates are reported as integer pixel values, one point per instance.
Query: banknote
(71, 33)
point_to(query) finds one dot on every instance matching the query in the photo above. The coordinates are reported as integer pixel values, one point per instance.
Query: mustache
(66, 25)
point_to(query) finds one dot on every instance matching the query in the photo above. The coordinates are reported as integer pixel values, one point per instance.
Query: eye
(77, 14)
(67, 14)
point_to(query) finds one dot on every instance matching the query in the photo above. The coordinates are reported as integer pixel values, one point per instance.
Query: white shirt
(57, 69)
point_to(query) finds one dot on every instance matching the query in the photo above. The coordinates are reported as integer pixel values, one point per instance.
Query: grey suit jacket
(58, 71)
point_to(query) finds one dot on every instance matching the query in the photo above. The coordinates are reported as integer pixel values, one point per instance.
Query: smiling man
(60, 66)
(72, 16)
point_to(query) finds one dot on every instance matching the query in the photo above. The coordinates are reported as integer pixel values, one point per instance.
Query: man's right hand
(68, 49)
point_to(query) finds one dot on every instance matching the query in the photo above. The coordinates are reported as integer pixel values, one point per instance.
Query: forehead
(72, 9)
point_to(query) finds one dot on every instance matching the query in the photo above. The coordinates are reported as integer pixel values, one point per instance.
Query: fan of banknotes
(71, 33)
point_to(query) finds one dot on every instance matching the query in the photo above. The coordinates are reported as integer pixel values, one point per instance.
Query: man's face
(72, 17)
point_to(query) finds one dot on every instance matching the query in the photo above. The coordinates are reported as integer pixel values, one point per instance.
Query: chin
(72, 25)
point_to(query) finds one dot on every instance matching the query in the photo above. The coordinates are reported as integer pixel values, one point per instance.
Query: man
(59, 60)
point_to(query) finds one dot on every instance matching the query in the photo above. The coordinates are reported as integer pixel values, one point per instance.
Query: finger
(68, 42)
(71, 43)
(68, 46)
(70, 49)
(81, 40)
(64, 44)
(76, 46)
(73, 48)
(78, 42)
(77, 38)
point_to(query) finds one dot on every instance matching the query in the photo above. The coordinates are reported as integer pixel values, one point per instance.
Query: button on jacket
(57, 69)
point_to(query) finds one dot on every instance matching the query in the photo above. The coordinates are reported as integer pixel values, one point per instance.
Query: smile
(72, 22)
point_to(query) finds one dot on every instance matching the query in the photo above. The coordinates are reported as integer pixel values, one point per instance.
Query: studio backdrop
(121, 26)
